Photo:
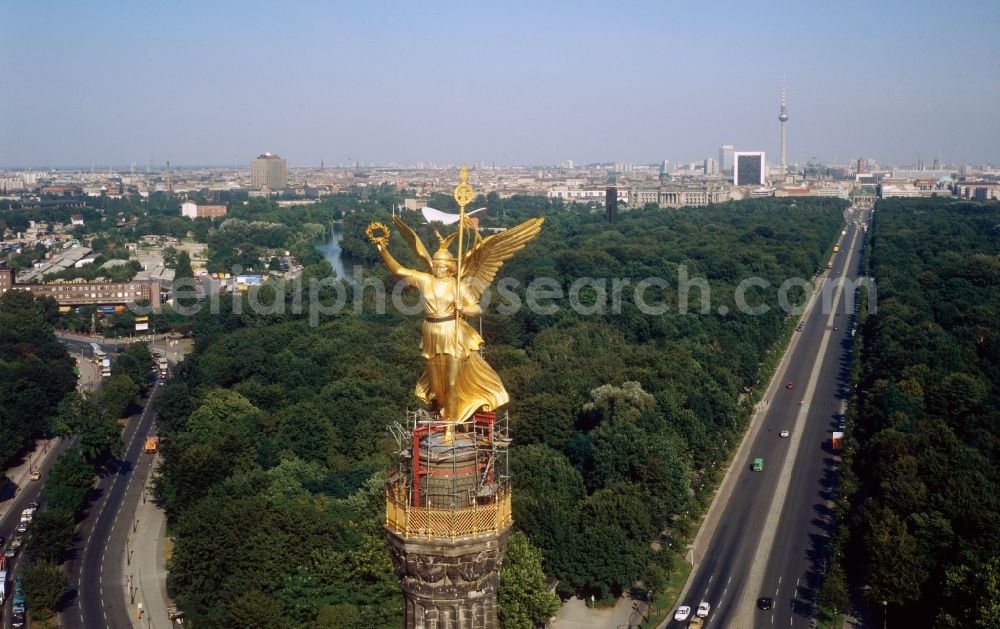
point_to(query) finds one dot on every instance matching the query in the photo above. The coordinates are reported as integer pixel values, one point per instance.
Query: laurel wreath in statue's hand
(378, 234)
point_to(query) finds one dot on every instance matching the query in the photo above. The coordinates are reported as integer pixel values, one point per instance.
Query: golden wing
(481, 264)
(446, 240)
(414, 240)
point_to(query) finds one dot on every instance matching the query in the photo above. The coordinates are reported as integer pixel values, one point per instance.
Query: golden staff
(464, 194)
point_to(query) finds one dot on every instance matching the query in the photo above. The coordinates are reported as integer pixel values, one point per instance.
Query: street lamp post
(885, 614)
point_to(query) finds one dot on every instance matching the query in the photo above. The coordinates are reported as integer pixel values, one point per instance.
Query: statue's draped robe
(477, 385)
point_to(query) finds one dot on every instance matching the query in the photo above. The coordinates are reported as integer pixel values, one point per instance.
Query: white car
(682, 613)
(783, 433)
(703, 609)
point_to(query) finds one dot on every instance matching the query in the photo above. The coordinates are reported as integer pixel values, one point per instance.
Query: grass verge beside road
(663, 607)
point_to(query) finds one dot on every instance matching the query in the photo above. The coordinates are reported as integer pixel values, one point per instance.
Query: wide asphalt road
(733, 560)
(95, 574)
(797, 560)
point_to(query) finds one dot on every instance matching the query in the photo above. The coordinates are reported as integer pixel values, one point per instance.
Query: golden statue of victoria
(457, 382)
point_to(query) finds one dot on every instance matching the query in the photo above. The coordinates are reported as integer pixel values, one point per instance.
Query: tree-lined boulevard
(272, 470)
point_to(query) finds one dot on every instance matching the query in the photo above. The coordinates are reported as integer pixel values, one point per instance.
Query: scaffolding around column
(453, 479)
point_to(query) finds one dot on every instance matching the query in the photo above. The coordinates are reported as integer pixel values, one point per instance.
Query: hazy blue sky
(507, 82)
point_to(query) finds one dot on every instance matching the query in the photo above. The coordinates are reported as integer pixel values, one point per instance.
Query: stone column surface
(449, 584)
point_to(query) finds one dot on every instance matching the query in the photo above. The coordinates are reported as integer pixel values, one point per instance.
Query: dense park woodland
(921, 506)
(38, 399)
(276, 445)
(35, 371)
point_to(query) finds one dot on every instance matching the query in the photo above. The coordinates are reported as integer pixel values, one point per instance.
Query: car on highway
(703, 608)
(22, 527)
(783, 433)
(765, 602)
(758, 464)
(790, 385)
(682, 613)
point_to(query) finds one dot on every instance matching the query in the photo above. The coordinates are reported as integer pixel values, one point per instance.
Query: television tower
(783, 117)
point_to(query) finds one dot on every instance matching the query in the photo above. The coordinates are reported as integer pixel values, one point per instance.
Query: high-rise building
(783, 118)
(749, 168)
(268, 171)
(726, 152)
(711, 167)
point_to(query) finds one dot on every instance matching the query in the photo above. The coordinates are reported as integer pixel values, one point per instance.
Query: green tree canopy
(44, 585)
(524, 599)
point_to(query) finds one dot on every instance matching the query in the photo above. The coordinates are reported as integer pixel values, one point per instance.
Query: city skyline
(637, 82)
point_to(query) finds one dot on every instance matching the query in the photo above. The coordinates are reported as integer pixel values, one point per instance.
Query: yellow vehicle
(836, 248)
(151, 444)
